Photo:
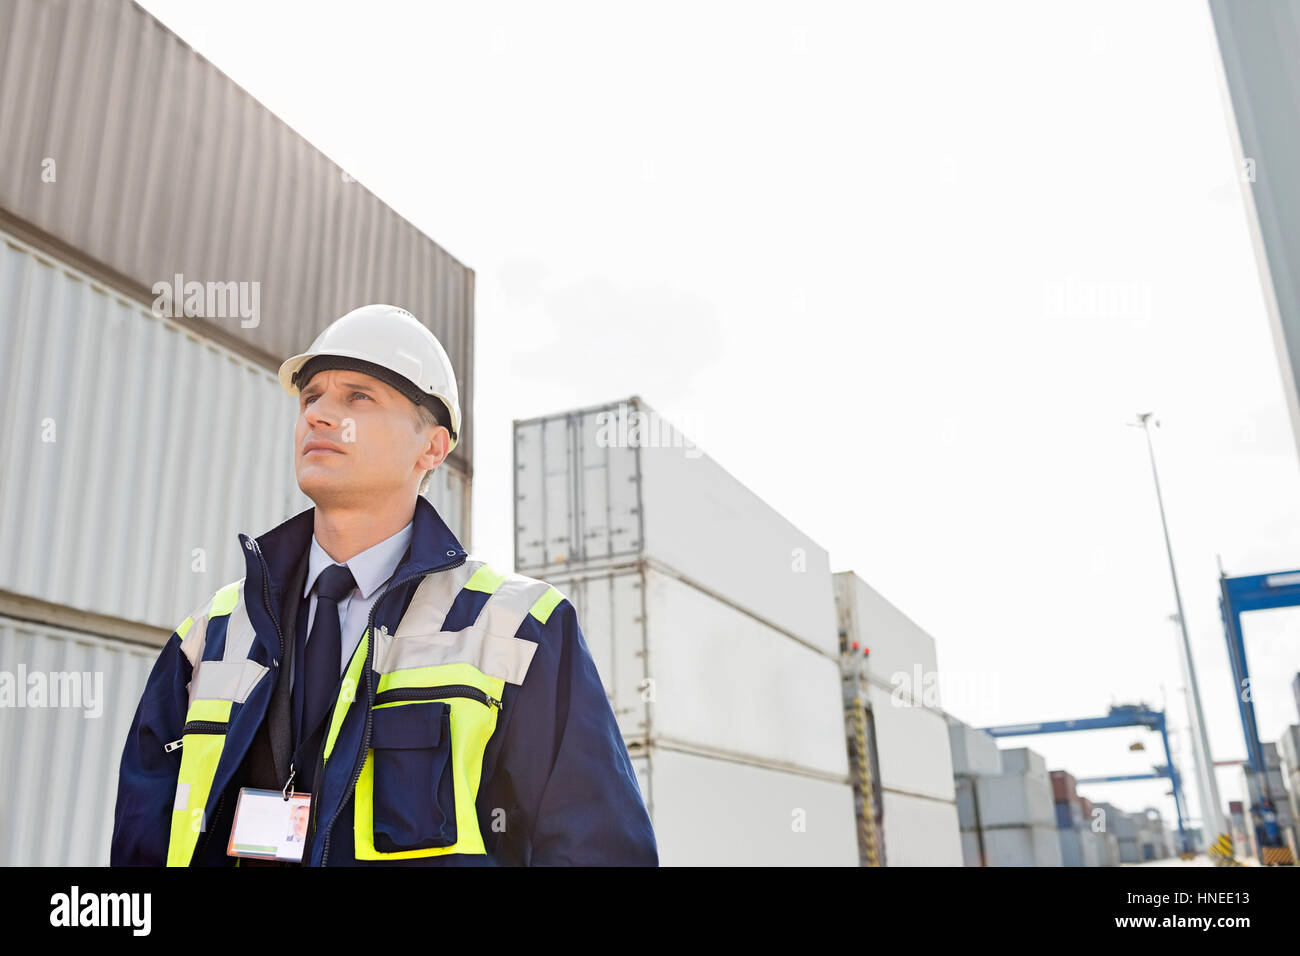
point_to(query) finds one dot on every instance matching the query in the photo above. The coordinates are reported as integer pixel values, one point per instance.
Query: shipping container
(1022, 846)
(1015, 799)
(75, 695)
(912, 743)
(1080, 847)
(1288, 746)
(1068, 814)
(968, 816)
(974, 751)
(1063, 787)
(116, 457)
(901, 654)
(1024, 760)
(1130, 850)
(1259, 47)
(919, 831)
(681, 666)
(135, 158)
(712, 812)
(616, 484)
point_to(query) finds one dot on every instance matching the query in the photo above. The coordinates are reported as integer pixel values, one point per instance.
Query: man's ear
(436, 448)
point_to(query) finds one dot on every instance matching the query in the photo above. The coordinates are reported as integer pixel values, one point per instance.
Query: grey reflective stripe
(433, 599)
(226, 680)
(182, 796)
(192, 645)
(504, 657)
(239, 631)
(489, 643)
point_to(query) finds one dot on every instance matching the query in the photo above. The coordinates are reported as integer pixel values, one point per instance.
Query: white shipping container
(591, 491)
(974, 751)
(1023, 760)
(899, 648)
(712, 812)
(1110, 850)
(60, 762)
(1080, 847)
(912, 745)
(1288, 746)
(1015, 799)
(680, 665)
(920, 832)
(1022, 846)
(964, 797)
(125, 483)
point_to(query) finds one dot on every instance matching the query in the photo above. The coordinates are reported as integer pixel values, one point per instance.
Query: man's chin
(326, 489)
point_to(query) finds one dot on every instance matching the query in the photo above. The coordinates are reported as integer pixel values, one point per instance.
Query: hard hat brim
(291, 366)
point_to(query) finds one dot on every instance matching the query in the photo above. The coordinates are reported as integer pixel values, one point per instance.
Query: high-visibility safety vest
(470, 726)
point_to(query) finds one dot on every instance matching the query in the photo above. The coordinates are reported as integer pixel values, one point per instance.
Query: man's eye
(362, 394)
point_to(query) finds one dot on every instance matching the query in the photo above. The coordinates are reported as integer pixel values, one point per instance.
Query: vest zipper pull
(174, 745)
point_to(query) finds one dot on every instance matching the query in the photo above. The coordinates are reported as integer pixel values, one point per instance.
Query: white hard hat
(390, 344)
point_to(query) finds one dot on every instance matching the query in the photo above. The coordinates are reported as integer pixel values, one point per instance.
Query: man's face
(356, 440)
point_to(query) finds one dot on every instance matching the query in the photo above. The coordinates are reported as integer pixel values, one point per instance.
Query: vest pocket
(419, 781)
(414, 798)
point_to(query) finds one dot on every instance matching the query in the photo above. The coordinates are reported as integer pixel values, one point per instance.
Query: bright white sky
(852, 247)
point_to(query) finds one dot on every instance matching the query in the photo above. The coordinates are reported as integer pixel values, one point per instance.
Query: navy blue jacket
(557, 785)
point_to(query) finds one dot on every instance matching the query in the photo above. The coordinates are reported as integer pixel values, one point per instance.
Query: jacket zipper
(197, 727)
(266, 600)
(433, 693)
(365, 740)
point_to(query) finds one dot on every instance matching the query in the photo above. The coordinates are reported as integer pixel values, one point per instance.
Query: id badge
(268, 826)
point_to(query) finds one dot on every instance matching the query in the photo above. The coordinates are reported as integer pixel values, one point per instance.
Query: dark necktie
(318, 675)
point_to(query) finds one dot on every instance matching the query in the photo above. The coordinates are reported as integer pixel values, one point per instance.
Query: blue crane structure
(1256, 592)
(1126, 715)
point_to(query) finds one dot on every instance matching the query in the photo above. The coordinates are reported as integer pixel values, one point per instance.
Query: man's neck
(346, 532)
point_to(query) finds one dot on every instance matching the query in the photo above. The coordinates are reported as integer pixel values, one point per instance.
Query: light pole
(1213, 814)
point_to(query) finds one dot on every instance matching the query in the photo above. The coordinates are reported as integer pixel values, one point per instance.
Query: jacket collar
(432, 545)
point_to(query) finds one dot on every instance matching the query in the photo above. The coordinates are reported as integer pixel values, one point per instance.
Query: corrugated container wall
(163, 165)
(73, 750)
(125, 481)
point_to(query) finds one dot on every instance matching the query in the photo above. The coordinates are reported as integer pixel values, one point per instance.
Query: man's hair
(423, 418)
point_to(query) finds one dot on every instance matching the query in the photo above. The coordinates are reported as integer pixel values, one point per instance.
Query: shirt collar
(371, 568)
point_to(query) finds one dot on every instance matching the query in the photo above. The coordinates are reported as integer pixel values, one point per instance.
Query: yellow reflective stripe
(347, 692)
(184, 627)
(198, 766)
(223, 602)
(485, 580)
(472, 725)
(209, 709)
(438, 674)
(545, 604)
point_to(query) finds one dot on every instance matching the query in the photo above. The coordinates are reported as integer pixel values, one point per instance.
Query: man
(437, 712)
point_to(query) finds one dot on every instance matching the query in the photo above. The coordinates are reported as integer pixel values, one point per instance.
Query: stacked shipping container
(1004, 802)
(891, 669)
(115, 522)
(1080, 844)
(711, 621)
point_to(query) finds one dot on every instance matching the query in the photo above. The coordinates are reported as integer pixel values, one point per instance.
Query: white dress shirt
(371, 569)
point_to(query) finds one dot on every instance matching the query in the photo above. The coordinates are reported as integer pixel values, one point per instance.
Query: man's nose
(320, 411)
